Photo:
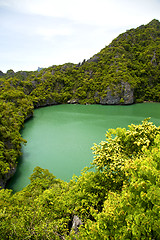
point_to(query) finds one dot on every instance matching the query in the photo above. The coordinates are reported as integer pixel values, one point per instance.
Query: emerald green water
(59, 137)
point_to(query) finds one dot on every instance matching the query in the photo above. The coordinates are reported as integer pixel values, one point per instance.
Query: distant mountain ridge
(124, 72)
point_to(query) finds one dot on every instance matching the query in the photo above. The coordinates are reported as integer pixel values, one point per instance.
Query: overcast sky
(42, 33)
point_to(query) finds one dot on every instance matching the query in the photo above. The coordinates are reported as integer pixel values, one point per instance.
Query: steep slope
(132, 58)
(126, 71)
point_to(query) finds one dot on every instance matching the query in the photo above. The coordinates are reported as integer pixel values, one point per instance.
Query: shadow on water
(18, 174)
(59, 137)
(16, 183)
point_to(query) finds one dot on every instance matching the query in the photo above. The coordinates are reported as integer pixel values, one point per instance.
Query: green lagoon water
(59, 138)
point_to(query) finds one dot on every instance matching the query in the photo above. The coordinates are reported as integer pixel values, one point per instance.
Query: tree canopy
(120, 198)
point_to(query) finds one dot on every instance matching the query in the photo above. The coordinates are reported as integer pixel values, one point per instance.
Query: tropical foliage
(132, 58)
(120, 198)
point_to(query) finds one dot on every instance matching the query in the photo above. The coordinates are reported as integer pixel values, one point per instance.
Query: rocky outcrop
(29, 115)
(73, 101)
(76, 223)
(1, 74)
(95, 59)
(124, 95)
(111, 98)
(128, 93)
(47, 102)
(7, 176)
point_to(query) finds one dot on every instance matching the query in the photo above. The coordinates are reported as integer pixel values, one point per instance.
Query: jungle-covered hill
(126, 167)
(126, 71)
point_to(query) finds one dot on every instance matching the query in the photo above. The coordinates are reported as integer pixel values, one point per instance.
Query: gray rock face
(128, 94)
(29, 116)
(93, 59)
(76, 223)
(47, 102)
(6, 177)
(73, 101)
(1, 74)
(125, 95)
(111, 98)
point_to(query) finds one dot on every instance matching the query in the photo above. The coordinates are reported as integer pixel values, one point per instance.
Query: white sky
(42, 33)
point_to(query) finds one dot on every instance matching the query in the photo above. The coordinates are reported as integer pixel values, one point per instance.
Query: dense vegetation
(120, 199)
(129, 65)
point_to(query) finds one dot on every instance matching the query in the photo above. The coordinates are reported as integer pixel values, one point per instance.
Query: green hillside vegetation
(120, 199)
(132, 58)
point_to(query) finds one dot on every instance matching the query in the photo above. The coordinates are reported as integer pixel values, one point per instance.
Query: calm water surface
(59, 137)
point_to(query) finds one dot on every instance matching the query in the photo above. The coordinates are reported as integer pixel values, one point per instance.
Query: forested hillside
(124, 72)
(120, 200)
